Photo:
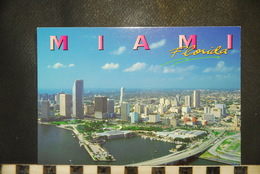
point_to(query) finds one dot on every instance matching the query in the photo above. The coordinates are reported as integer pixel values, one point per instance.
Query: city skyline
(119, 65)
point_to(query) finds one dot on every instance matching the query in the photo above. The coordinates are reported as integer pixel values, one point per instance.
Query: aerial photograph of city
(139, 96)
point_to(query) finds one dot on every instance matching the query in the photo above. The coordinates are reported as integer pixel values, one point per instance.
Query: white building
(207, 110)
(89, 109)
(162, 109)
(162, 101)
(134, 117)
(167, 102)
(217, 112)
(186, 110)
(122, 93)
(210, 118)
(65, 105)
(222, 107)
(154, 118)
(196, 98)
(187, 101)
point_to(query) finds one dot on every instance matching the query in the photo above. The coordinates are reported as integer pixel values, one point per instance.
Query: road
(182, 155)
(229, 156)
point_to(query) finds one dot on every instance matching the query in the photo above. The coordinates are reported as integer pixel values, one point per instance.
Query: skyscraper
(100, 106)
(222, 107)
(45, 109)
(187, 101)
(101, 103)
(125, 111)
(196, 99)
(122, 92)
(77, 98)
(65, 104)
(134, 117)
(110, 105)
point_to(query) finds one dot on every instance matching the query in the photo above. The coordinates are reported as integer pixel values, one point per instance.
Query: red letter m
(63, 40)
(193, 39)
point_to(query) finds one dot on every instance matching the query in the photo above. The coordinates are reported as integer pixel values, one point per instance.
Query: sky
(119, 65)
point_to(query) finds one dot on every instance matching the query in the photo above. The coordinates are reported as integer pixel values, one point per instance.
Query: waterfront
(57, 146)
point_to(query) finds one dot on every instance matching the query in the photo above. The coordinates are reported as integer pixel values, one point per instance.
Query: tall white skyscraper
(65, 104)
(196, 99)
(77, 99)
(122, 92)
(187, 101)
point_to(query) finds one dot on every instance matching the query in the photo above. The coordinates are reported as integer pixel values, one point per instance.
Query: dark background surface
(18, 62)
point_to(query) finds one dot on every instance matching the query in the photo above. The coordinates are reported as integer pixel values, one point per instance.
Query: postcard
(139, 96)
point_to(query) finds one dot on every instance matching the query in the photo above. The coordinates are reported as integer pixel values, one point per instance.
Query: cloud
(220, 67)
(71, 65)
(60, 65)
(180, 78)
(155, 68)
(135, 67)
(110, 66)
(179, 70)
(158, 44)
(218, 76)
(120, 50)
(234, 51)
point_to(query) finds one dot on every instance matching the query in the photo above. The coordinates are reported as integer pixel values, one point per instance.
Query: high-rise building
(217, 112)
(154, 118)
(222, 107)
(125, 111)
(207, 110)
(210, 118)
(167, 102)
(122, 92)
(134, 117)
(187, 101)
(196, 98)
(57, 97)
(178, 99)
(146, 110)
(162, 101)
(186, 110)
(88, 109)
(100, 106)
(77, 98)
(65, 105)
(110, 105)
(45, 109)
(139, 108)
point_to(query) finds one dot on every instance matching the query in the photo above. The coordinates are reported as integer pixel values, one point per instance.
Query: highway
(182, 155)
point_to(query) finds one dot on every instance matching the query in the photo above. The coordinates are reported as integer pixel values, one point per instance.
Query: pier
(95, 150)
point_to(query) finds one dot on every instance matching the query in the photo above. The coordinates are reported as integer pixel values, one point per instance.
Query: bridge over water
(180, 156)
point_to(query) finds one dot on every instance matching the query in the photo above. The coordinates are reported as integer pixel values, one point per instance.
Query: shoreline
(95, 150)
